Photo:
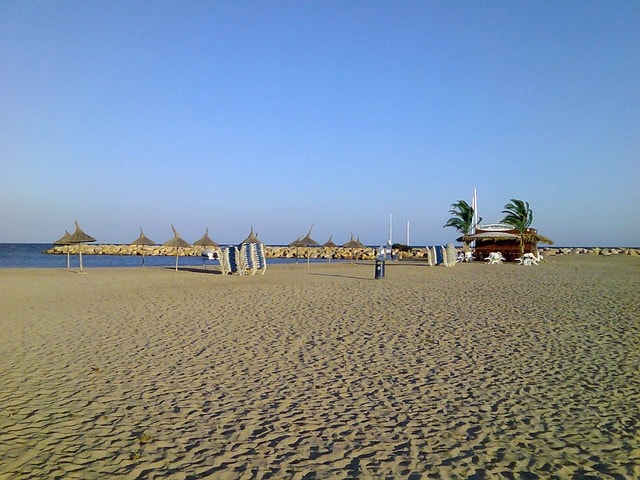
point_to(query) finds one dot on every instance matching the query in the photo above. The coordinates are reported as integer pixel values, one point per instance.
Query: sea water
(29, 255)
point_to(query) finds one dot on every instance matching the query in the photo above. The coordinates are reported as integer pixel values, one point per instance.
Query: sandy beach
(474, 371)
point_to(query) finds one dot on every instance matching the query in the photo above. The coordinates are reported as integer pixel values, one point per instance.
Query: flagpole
(407, 233)
(390, 241)
(475, 210)
(474, 205)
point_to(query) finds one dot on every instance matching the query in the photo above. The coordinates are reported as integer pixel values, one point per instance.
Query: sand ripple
(469, 372)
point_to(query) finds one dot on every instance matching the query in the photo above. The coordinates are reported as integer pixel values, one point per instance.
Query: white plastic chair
(495, 258)
(527, 259)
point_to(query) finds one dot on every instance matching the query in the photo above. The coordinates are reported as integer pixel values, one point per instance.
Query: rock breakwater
(337, 253)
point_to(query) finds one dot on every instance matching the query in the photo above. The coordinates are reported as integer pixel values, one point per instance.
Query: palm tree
(519, 215)
(462, 220)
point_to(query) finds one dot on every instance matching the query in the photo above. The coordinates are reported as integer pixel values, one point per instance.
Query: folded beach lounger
(229, 260)
(246, 263)
(260, 258)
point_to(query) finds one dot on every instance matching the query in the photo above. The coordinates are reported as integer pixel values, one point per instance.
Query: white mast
(474, 205)
(390, 230)
(408, 233)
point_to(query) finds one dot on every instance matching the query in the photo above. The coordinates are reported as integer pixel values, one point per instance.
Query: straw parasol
(353, 244)
(329, 244)
(177, 241)
(205, 241)
(78, 237)
(63, 241)
(296, 243)
(252, 238)
(143, 240)
(305, 241)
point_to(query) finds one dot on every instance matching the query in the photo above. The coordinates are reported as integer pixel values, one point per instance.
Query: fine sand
(475, 371)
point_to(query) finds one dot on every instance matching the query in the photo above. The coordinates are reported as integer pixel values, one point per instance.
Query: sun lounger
(429, 257)
(495, 258)
(528, 259)
(443, 255)
(448, 255)
(251, 259)
(246, 263)
(260, 258)
(229, 261)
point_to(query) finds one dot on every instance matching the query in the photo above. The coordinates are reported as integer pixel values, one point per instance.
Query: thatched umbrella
(296, 243)
(205, 242)
(63, 241)
(143, 240)
(177, 241)
(329, 244)
(353, 244)
(308, 242)
(252, 238)
(77, 237)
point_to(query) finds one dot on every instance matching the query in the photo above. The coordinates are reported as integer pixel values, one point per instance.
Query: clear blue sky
(283, 114)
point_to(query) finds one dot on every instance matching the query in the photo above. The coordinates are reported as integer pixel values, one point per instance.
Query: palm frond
(518, 214)
(462, 219)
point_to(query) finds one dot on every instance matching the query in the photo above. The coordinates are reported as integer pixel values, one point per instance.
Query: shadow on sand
(195, 270)
(340, 276)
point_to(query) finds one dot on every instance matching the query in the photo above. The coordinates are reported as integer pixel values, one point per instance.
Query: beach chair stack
(250, 259)
(247, 265)
(441, 255)
(260, 258)
(450, 255)
(229, 260)
(430, 257)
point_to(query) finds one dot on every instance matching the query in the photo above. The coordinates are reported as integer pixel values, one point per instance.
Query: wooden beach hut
(505, 239)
